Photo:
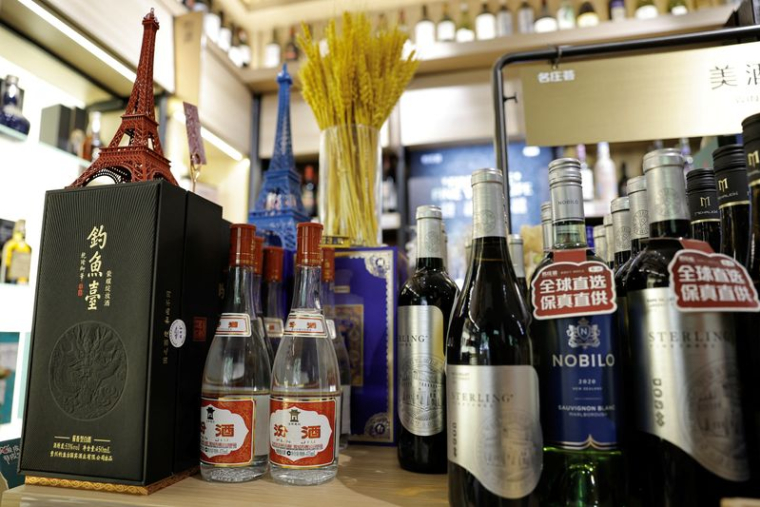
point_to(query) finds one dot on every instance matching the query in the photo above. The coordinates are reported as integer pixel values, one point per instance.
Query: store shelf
(368, 476)
(30, 144)
(455, 57)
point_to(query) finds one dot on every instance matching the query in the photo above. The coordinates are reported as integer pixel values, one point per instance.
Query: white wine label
(421, 369)
(345, 409)
(227, 429)
(688, 387)
(494, 426)
(703, 281)
(234, 324)
(273, 327)
(302, 431)
(302, 325)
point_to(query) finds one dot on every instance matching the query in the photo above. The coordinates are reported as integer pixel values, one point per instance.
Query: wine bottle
(244, 47)
(547, 239)
(733, 201)
(292, 53)
(274, 311)
(677, 7)
(11, 107)
(425, 304)
(236, 378)
(504, 23)
(485, 24)
(587, 15)
(304, 410)
(272, 51)
(525, 18)
(494, 431)
(639, 212)
(515, 243)
(751, 136)
(566, 15)
(424, 30)
(545, 21)
(586, 173)
(600, 242)
(339, 344)
(225, 33)
(617, 10)
(605, 174)
(309, 191)
(646, 9)
(212, 23)
(583, 463)
(687, 440)
(609, 240)
(258, 271)
(703, 206)
(465, 33)
(446, 29)
(621, 231)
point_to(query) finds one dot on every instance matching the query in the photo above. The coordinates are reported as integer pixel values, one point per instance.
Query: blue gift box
(366, 289)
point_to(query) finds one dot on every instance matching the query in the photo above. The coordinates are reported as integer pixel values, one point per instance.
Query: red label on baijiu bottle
(572, 286)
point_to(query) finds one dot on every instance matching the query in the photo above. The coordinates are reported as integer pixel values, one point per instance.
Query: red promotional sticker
(302, 432)
(706, 281)
(573, 287)
(227, 427)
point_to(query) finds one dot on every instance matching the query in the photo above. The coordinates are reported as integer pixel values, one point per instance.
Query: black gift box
(127, 302)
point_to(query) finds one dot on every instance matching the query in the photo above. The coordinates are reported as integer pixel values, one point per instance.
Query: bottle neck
(569, 225)
(621, 227)
(274, 300)
(328, 299)
(622, 257)
(548, 235)
(488, 215)
(666, 202)
(639, 217)
(239, 292)
(306, 292)
(569, 234)
(429, 242)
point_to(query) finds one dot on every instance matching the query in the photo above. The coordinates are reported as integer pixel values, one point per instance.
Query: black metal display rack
(559, 54)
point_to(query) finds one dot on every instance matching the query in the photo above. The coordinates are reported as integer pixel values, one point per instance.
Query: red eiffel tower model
(142, 158)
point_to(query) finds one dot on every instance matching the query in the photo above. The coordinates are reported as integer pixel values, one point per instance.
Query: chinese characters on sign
(556, 76)
(711, 282)
(567, 289)
(726, 76)
(98, 239)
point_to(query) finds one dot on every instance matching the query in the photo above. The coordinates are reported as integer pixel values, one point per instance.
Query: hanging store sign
(689, 93)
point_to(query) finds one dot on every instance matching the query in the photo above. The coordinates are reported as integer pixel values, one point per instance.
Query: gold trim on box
(108, 487)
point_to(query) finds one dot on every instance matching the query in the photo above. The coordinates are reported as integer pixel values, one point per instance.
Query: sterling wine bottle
(733, 201)
(703, 206)
(425, 305)
(687, 439)
(578, 360)
(494, 431)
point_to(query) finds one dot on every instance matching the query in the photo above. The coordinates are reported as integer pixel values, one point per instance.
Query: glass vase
(350, 186)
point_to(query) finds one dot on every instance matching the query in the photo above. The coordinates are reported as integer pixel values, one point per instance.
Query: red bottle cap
(328, 264)
(273, 256)
(258, 255)
(241, 244)
(308, 251)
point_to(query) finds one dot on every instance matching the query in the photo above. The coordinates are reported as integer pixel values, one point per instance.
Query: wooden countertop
(367, 476)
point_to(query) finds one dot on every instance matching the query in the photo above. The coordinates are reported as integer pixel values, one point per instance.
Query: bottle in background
(545, 21)
(676, 456)
(600, 242)
(621, 231)
(446, 29)
(292, 53)
(424, 30)
(234, 53)
(485, 23)
(566, 15)
(425, 303)
(733, 201)
(703, 206)
(212, 23)
(609, 235)
(516, 254)
(274, 314)
(258, 271)
(623, 181)
(504, 22)
(272, 51)
(225, 33)
(639, 216)
(587, 15)
(587, 175)
(309, 191)
(305, 403)
(244, 47)
(489, 357)
(685, 147)
(605, 174)
(525, 18)
(10, 113)
(751, 135)
(645, 9)
(583, 462)
(339, 344)
(16, 257)
(93, 143)
(677, 7)
(617, 10)
(465, 32)
(236, 378)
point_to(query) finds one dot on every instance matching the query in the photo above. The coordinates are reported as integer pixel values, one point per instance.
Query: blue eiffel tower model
(279, 207)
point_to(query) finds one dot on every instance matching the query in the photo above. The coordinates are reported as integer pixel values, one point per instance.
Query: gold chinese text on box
(659, 96)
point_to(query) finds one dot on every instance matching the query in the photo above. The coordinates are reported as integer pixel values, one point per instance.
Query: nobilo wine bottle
(703, 206)
(687, 440)
(494, 431)
(425, 305)
(577, 357)
(733, 201)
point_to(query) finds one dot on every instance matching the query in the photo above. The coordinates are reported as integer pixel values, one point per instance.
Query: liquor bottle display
(16, 261)
(504, 23)
(703, 206)
(545, 22)
(424, 30)
(305, 401)
(494, 431)
(485, 23)
(338, 341)
(236, 378)
(687, 438)
(733, 201)
(465, 33)
(424, 308)
(274, 310)
(621, 231)
(446, 29)
(516, 254)
(583, 463)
